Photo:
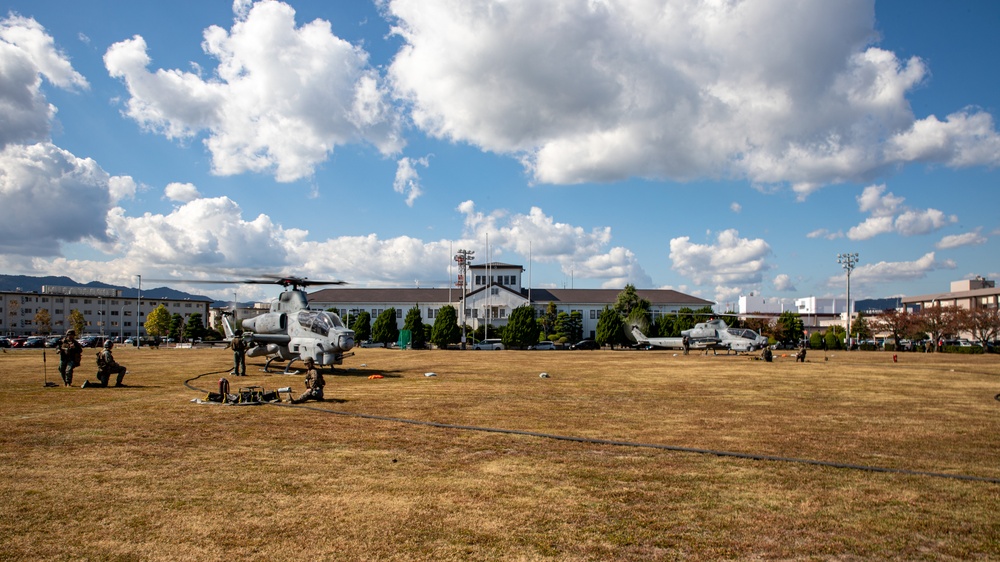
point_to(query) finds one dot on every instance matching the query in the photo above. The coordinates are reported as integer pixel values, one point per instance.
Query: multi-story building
(105, 311)
(967, 293)
(491, 293)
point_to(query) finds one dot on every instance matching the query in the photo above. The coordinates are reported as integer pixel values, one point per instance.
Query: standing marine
(314, 384)
(107, 366)
(239, 354)
(70, 354)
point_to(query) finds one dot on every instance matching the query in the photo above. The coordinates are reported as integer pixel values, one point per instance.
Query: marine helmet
(108, 344)
(71, 332)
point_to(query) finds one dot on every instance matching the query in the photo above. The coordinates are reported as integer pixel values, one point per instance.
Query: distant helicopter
(290, 331)
(714, 334)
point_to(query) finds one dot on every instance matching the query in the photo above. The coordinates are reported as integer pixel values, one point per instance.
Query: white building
(822, 306)
(105, 311)
(494, 291)
(751, 304)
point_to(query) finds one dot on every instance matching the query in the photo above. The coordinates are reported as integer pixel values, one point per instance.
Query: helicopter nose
(346, 343)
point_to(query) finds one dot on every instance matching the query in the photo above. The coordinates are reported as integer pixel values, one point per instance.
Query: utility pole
(463, 258)
(138, 297)
(848, 261)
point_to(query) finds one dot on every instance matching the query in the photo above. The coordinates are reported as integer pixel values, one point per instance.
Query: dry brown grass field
(142, 473)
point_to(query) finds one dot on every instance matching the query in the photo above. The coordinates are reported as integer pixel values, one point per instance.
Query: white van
(488, 344)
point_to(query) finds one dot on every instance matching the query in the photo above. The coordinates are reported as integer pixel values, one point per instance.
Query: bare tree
(896, 323)
(984, 323)
(938, 321)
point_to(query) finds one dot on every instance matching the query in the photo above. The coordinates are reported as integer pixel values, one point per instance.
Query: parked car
(585, 344)
(4, 342)
(491, 344)
(543, 346)
(369, 343)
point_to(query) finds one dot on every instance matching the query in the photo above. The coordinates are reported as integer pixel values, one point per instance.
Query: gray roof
(657, 297)
(986, 292)
(409, 296)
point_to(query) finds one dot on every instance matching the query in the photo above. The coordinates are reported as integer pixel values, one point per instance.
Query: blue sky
(716, 148)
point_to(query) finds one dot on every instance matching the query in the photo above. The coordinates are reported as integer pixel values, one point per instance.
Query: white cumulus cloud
(775, 92)
(730, 260)
(958, 240)
(284, 96)
(51, 197)
(579, 252)
(407, 180)
(183, 192)
(782, 282)
(888, 273)
(888, 214)
(27, 54)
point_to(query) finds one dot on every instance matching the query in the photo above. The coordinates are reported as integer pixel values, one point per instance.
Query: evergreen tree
(610, 328)
(575, 326)
(835, 337)
(176, 326)
(446, 330)
(860, 329)
(684, 320)
(414, 322)
(548, 319)
(816, 340)
(384, 329)
(629, 300)
(158, 321)
(789, 327)
(521, 330)
(562, 334)
(362, 326)
(194, 328)
(666, 326)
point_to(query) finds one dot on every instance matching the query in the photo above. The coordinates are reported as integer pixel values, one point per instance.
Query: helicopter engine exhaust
(267, 324)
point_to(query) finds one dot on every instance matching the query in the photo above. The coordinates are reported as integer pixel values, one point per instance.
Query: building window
(593, 314)
(86, 301)
(494, 291)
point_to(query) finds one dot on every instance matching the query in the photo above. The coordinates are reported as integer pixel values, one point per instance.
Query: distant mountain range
(28, 284)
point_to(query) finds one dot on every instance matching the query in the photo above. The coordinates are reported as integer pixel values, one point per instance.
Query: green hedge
(961, 349)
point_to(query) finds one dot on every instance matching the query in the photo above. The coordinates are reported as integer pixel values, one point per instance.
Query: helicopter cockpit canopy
(319, 322)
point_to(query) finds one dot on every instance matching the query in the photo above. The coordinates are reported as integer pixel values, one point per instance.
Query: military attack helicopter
(290, 331)
(714, 334)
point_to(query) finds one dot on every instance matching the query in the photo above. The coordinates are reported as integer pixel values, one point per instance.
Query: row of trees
(614, 325)
(932, 323)
(160, 323)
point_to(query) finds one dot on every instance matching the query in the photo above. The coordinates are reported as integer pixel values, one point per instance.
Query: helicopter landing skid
(287, 371)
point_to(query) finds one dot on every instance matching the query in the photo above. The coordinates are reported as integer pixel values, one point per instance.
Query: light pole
(848, 261)
(121, 325)
(463, 257)
(138, 296)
